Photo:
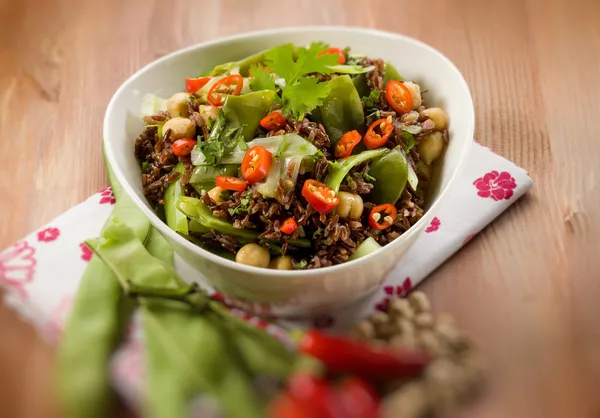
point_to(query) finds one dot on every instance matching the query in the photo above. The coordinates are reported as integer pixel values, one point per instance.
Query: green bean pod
(94, 328)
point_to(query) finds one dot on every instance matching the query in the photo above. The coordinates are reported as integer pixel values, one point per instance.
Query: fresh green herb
(302, 264)
(210, 123)
(347, 53)
(375, 114)
(261, 79)
(371, 101)
(219, 143)
(283, 144)
(144, 166)
(409, 139)
(224, 195)
(317, 232)
(243, 207)
(301, 94)
(368, 177)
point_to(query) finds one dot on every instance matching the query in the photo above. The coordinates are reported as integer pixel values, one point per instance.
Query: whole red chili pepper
(313, 390)
(358, 399)
(341, 355)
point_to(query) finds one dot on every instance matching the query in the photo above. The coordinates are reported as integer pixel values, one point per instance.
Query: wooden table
(527, 288)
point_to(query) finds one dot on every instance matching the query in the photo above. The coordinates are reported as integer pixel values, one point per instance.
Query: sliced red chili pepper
(358, 399)
(256, 164)
(382, 216)
(334, 51)
(231, 183)
(347, 143)
(320, 196)
(273, 121)
(183, 147)
(231, 85)
(341, 355)
(289, 226)
(192, 85)
(378, 133)
(398, 96)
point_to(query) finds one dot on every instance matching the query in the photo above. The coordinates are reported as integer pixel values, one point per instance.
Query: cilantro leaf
(372, 101)
(409, 139)
(304, 96)
(301, 94)
(261, 79)
(309, 60)
(243, 207)
(280, 59)
(220, 142)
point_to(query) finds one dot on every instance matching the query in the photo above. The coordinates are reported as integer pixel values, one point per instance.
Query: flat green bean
(95, 327)
(211, 362)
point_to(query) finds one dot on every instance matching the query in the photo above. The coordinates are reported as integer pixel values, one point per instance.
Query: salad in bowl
(297, 157)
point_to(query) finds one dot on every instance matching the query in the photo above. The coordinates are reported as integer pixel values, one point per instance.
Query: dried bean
(419, 302)
(424, 320)
(400, 308)
(364, 330)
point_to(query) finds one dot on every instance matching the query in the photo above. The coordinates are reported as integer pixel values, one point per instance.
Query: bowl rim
(229, 264)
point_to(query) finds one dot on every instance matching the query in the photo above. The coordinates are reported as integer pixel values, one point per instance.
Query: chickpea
(180, 128)
(217, 193)
(177, 105)
(284, 262)
(415, 92)
(350, 206)
(438, 116)
(253, 255)
(431, 147)
(208, 112)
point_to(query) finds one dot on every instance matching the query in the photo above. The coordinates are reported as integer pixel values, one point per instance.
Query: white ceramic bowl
(305, 291)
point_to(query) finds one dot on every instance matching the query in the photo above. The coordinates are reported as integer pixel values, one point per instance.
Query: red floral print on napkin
(496, 185)
(433, 226)
(107, 196)
(86, 253)
(48, 234)
(394, 291)
(17, 266)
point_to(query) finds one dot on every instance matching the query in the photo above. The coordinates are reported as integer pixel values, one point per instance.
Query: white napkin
(41, 272)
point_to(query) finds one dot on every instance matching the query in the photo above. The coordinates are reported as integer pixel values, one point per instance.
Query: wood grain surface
(527, 288)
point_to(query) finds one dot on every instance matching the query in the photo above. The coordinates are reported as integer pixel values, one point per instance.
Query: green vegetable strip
(197, 210)
(94, 328)
(176, 220)
(196, 344)
(342, 167)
